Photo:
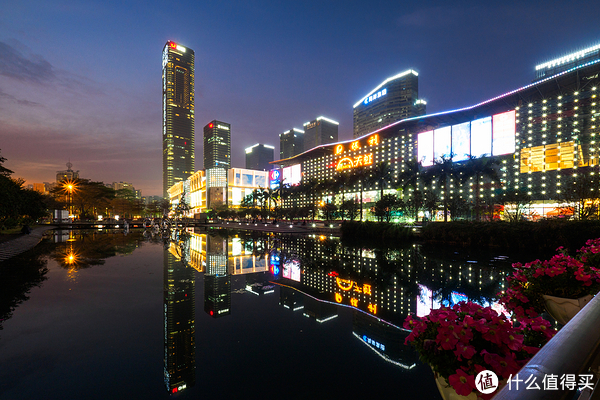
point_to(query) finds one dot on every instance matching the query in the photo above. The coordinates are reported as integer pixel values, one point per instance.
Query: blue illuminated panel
(481, 137)
(425, 148)
(461, 141)
(442, 143)
(503, 138)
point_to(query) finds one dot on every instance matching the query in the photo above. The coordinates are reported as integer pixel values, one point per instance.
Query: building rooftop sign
(400, 75)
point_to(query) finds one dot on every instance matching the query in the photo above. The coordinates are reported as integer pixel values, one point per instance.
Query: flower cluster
(461, 341)
(561, 276)
(590, 253)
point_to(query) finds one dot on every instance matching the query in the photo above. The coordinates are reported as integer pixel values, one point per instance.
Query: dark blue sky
(81, 80)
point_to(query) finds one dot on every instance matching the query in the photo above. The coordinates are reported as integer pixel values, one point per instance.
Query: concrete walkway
(22, 243)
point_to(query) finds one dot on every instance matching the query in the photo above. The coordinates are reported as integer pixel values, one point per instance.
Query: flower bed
(459, 342)
(561, 276)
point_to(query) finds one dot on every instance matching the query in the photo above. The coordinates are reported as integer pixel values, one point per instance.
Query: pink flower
(463, 350)
(492, 336)
(513, 341)
(446, 339)
(462, 382)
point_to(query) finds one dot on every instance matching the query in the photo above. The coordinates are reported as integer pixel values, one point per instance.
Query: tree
(328, 209)
(350, 209)
(381, 174)
(520, 201)
(309, 189)
(442, 172)
(480, 169)
(385, 207)
(18, 205)
(359, 176)
(581, 190)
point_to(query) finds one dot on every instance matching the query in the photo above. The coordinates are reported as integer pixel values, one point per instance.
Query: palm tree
(479, 168)
(441, 173)
(381, 174)
(359, 176)
(411, 174)
(309, 188)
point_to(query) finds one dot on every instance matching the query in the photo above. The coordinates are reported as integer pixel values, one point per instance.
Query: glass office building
(178, 114)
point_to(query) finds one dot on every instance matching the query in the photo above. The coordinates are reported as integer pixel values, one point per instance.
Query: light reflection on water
(293, 315)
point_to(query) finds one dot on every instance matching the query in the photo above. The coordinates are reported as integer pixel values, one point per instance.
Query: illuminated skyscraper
(393, 100)
(178, 114)
(259, 156)
(217, 145)
(179, 323)
(291, 143)
(320, 131)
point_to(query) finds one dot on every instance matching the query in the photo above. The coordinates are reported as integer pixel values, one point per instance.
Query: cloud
(33, 68)
(13, 99)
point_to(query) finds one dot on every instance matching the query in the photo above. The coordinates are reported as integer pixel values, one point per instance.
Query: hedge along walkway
(22, 243)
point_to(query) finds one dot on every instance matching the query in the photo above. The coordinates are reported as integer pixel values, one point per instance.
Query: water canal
(222, 315)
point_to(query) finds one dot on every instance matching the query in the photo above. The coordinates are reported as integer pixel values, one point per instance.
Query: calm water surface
(108, 315)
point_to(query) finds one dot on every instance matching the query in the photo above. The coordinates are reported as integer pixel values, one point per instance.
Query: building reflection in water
(179, 321)
(384, 339)
(316, 276)
(217, 279)
(319, 275)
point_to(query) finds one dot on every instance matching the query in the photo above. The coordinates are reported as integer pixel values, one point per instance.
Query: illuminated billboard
(442, 142)
(461, 141)
(292, 175)
(481, 137)
(274, 175)
(291, 270)
(503, 137)
(425, 148)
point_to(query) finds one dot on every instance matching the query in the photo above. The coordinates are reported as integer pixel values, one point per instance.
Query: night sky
(81, 80)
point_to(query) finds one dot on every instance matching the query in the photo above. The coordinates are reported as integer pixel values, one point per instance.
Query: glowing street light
(70, 187)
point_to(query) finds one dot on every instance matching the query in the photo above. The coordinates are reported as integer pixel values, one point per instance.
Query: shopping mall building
(543, 137)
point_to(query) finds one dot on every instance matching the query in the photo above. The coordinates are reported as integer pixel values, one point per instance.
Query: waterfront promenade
(22, 243)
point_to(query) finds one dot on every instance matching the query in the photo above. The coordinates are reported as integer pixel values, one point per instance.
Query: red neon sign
(173, 45)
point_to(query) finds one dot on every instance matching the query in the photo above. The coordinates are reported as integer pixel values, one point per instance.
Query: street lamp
(69, 187)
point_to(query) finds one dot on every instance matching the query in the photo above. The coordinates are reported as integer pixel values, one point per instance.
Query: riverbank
(20, 243)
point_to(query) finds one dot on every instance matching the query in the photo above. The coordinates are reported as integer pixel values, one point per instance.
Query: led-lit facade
(544, 137)
(394, 99)
(259, 156)
(179, 324)
(217, 186)
(178, 114)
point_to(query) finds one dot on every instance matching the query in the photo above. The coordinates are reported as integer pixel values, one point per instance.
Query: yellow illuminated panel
(552, 157)
(344, 284)
(373, 140)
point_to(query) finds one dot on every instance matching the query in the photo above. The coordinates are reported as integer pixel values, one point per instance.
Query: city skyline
(91, 93)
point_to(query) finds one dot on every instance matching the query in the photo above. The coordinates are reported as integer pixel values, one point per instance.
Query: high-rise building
(259, 156)
(68, 174)
(291, 143)
(179, 305)
(393, 100)
(178, 114)
(217, 145)
(320, 131)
